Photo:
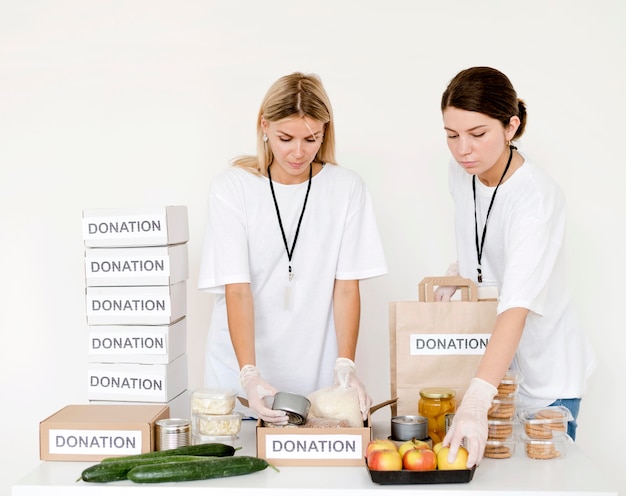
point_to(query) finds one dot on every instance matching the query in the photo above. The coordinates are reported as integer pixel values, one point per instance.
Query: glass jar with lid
(438, 405)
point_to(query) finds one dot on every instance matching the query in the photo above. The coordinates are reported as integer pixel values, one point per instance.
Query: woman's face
(294, 141)
(478, 142)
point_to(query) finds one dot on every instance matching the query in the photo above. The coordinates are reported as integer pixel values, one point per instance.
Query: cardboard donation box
(94, 432)
(437, 344)
(149, 226)
(180, 406)
(150, 383)
(137, 266)
(315, 447)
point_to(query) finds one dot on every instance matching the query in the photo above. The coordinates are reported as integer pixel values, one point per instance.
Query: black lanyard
(479, 248)
(280, 222)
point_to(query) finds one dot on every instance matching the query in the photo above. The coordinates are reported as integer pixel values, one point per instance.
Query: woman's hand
(469, 425)
(345, 375)
(258, 391)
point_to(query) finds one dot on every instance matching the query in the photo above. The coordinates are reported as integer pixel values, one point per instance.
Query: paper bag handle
(469, 291)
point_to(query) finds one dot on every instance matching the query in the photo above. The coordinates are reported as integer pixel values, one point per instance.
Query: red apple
(379, 444)
(412, 444)
(419, 460)
(384, 459)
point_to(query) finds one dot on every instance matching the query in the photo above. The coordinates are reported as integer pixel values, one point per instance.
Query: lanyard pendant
(289, 292)
(480, 274)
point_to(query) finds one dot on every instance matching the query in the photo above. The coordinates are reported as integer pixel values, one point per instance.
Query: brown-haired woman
(510, 219)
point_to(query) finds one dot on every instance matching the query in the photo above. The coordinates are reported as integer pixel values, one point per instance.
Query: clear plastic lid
(213, 401)
(546, 415)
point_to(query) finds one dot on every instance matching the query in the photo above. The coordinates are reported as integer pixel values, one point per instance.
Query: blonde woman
(289, 234)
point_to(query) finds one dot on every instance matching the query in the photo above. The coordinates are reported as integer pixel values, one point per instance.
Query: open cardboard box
(316, 447)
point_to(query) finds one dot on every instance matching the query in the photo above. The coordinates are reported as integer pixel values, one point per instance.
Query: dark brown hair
(488, 91)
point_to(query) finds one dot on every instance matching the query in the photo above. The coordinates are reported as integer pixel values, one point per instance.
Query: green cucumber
(206, 449)
(117, 470)
(211, 468)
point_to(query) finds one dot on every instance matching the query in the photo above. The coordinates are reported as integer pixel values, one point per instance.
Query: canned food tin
(295, 405)
(172, 433)
(407, 427)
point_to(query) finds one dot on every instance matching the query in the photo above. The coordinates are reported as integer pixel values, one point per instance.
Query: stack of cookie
(501, 418)
(545, 431)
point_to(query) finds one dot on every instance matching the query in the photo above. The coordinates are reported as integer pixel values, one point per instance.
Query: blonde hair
(293, 95)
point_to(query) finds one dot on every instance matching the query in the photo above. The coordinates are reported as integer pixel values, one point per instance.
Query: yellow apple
(437, 447)
(412, 444)
(460, 463)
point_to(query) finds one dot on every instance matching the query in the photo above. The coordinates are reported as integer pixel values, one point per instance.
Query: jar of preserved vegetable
(438, 406)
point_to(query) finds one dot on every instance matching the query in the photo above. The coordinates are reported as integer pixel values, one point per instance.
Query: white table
(575, 474)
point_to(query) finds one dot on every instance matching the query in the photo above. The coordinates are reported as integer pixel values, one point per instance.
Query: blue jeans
(573, 405)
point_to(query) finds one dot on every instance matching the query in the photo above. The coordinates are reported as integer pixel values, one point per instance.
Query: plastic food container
(201, 439)
(217, 425)
(546, 422)
(213, 401)
(546, 449)
(500, 448)
(500, 429)
(502, 409)
(509, 385)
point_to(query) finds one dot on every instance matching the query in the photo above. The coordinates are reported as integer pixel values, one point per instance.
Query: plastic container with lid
(545, 422)
(546, 449)
(509, 385)
(216, 425)
(503, 408)
(500, 429)
(213, 401)
(202, 439)
(500, 448)
(438, 406)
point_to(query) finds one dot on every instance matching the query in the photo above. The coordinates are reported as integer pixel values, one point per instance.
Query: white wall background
(118, 103)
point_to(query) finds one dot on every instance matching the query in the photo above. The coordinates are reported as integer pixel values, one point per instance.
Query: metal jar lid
(407, 427)
(295, 405)
(437, 393)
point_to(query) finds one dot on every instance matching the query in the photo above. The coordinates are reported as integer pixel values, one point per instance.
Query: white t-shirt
(523, 256)
(296, 344)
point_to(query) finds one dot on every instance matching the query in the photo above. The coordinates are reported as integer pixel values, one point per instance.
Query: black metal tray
(427, 477)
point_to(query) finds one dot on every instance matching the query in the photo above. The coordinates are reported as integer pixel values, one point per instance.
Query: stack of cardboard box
(136, 270)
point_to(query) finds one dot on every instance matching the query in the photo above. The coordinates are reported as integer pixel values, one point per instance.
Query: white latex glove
(258, 391)
(469, 425)
(345, 374)
(445, 293)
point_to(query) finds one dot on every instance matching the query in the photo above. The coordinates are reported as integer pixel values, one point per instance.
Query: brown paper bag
(437, 344)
